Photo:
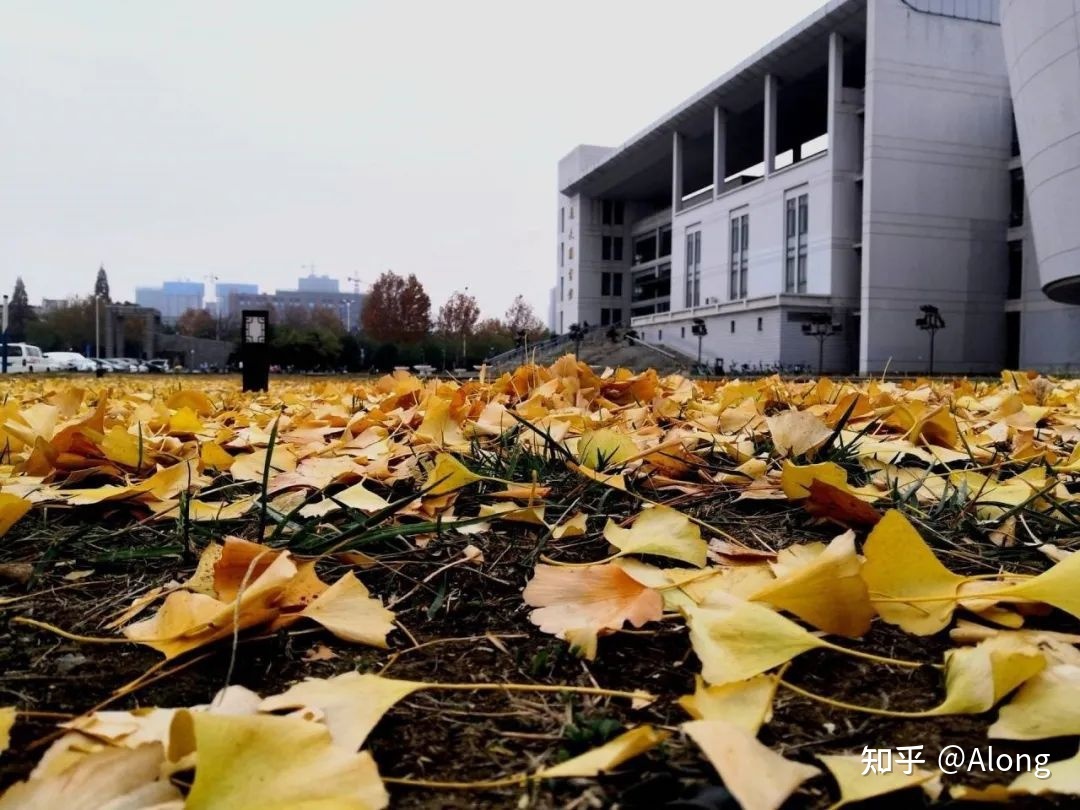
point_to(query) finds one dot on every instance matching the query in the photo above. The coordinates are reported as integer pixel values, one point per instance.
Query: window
(562, 253)
(665, 242)
(570, 272)
(682, 331)
(1016, 195)
(616, 315)
(612, 212)
(570, 253)
(611, 248)
(759, 324)
(562, 287)
(645, 249)
(562, 219)
(796, 225)
(659, 334)
(693, 268)
(1016, 270)
(560, 323)
(732, 327)
(611, 283)
(571, 212)
(570, 294)
(740, 256)
(605, 317)
(1014, 151)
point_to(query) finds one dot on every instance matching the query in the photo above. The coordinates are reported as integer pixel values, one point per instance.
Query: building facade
(857, 168)
(222, 291)
(347, 306)
(172, 299)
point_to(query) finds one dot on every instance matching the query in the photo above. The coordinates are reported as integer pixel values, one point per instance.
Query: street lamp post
(701, 330)
(820, 327)
(931, 321)
(348, 315)
(97, 326)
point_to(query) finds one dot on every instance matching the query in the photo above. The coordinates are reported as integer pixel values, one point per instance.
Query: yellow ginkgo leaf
(977, 678)
(1056, 587)
(185, 421)
(251, 466)
(12, 508)
(746, 704)
(197, 401)
(533, 515)
(448, 475)
(827, 592)
(120, 446)
(7, 720)
(608, 756)
(440, 427)
(576, 526)
(350, 612)
(360, 497)
(275, 763)
(758, 777)
(605, 448)
(857, 783)
(900, 565)
(796, 433)
(215, 456)
(795, 479)
(127, 778)
(352, 703)
(187, 621)
(662, 531)
(736, 640)
(1047, 705)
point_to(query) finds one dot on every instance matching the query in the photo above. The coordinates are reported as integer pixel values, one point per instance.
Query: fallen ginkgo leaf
(276, 763)
(758, 777)
(352, 703)
(662, 531)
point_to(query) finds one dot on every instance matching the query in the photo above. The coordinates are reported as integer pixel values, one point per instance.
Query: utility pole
(97, 325)
(931, 321)
(217, 307)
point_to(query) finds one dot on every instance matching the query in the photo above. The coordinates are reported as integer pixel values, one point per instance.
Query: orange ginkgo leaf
(590, 600)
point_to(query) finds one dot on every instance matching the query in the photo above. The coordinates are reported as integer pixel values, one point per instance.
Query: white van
(23, 358)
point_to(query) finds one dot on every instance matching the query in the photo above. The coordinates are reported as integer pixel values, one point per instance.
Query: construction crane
(356, 284)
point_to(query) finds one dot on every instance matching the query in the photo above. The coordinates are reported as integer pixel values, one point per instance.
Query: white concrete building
(858, 167)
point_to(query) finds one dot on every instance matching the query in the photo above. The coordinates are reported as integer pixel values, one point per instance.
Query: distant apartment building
(224, 289)
(172, 299)
(860, 166)
(347, 306)
(319, 284)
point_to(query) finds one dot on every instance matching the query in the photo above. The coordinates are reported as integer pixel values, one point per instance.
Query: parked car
(159, 365)
(117, 364)
(136, 366)
(25, 358)
(68, 361)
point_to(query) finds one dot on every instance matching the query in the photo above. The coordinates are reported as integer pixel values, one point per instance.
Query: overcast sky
(174, 140)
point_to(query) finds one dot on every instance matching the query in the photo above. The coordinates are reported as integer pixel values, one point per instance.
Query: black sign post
(254, 349)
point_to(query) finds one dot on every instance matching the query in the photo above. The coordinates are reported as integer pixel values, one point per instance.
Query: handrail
(657, 349)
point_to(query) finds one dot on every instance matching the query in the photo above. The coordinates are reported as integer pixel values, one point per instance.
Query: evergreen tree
(101, 285)
(19, 312)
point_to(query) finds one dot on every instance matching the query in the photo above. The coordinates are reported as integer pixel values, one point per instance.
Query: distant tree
(196, 323)
(397, 310)
(66, 328)
(101, 284)
(521, 318)
(492, 337)
(327, 319)
(20, 314)
(457, 318)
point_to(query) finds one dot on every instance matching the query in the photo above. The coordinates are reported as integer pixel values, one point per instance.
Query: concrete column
(676, 171)
(836, 84)
(772, 92)
(719, 143)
